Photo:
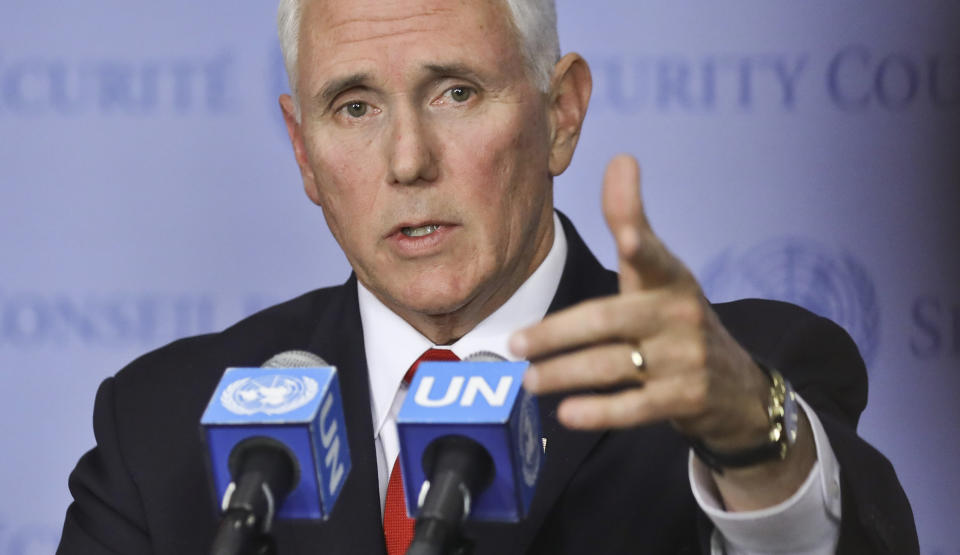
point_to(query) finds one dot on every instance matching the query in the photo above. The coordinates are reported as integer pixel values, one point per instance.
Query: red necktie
(397, 526)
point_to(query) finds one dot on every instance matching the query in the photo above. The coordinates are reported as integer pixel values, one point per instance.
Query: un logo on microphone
(828, 282)
(528, 438)
(269, 394)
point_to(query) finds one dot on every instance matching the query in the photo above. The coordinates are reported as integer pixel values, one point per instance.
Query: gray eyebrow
(453, 70)
(335, 87)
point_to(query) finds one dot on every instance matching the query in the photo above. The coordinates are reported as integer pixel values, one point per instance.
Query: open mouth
(421, 231)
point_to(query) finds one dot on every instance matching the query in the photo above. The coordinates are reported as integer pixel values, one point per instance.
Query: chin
(435, 297)
(434, 303)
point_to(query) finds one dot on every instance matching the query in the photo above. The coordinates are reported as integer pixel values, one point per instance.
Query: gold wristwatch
(784, 420)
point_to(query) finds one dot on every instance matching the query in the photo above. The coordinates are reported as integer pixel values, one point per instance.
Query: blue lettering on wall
(39, 87)
(709, 84)
(788, 74)
(859, 79)
(896, 82)
(676, 88)
(849, 93)
(32, 320)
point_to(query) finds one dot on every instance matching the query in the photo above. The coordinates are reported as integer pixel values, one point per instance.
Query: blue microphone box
(300, 408)
(485, 402)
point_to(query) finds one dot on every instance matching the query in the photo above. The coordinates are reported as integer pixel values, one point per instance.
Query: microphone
(277, 447)
(469, 447)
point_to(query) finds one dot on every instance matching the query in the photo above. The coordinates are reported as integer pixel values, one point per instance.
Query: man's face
(426, 143)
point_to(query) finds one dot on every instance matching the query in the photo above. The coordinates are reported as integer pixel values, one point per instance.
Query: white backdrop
(804, 151)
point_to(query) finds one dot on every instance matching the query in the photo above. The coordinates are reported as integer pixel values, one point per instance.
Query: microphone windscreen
(294, 359)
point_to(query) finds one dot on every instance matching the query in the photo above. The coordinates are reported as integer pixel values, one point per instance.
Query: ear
(569, 96)
(295, 131)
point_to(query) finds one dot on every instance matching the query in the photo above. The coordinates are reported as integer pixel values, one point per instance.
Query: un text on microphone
(483, 401)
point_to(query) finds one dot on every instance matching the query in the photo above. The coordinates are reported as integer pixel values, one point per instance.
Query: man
(429, 133)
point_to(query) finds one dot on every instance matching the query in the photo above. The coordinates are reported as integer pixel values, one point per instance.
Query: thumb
(623, 211)
(644, 261)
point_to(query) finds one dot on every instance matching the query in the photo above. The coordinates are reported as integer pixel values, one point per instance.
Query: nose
(411, 153)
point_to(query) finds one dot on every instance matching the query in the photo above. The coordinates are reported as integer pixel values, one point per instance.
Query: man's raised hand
(694, 373)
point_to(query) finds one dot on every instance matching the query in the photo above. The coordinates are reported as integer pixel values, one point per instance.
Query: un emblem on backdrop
(270, 394)
(828, 282)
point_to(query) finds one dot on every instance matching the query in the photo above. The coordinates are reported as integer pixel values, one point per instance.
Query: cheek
(501, 162)
(516, 165)
(348, 209)
(344, 180)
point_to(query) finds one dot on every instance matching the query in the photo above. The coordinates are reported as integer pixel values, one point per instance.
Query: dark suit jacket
(144, 487)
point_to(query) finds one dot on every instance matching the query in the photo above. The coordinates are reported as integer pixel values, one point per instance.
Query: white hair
(535, 22)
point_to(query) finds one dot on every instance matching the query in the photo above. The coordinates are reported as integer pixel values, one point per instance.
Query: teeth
(421, 231)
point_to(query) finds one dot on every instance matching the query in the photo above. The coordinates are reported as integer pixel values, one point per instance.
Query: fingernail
(518, 344)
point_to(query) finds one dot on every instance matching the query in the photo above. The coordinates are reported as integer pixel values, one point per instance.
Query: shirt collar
(392, 345)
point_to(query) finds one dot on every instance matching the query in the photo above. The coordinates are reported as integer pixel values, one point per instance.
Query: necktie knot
(430, 355)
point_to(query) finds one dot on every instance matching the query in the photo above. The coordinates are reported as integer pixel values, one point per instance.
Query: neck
(446, 328)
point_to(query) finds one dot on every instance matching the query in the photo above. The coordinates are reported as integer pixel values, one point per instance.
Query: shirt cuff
(806, 523)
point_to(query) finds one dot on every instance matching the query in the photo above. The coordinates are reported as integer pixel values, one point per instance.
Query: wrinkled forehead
(355, 19)
(403, 31)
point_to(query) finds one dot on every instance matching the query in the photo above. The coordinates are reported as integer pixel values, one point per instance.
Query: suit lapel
(583, 278)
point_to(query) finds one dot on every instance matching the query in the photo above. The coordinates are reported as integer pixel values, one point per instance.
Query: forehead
(393, 34)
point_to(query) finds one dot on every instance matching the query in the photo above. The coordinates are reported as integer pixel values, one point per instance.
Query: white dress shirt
(807, 523)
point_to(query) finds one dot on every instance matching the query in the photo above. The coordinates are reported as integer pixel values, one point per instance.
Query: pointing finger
(601, 366)
(622, 204)
(617, 318)
(644, 261)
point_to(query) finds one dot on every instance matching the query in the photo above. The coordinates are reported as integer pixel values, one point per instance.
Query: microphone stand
(459, 468)
(264, 474)
(238, 534)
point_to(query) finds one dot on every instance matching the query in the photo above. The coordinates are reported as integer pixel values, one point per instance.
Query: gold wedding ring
(636, 357)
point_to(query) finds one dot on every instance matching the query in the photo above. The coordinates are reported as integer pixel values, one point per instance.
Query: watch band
(783, 416)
